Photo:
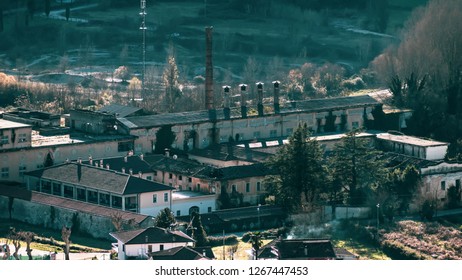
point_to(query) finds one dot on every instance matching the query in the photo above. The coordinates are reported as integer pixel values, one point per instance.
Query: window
(258, 186)
(273, 133)
(68, 191)
(117, 202)
(178, 213)
(104, 199)
(46, 186)
(165, 197)
(209, 209)
(198, 187)
(4, 140)
(190, 180)
(22, 170)
(170, 175)
(154, 198)
(443, 185)
(247, 187)
(161, 247)
(458, 183)
(149, 178)
(149, 248)
(180, 177)
(81, 194)
(56, 188)
(155, 173)
(22, 137)
(234, 188)
(92, 196)
(5, 172)
(40, 166)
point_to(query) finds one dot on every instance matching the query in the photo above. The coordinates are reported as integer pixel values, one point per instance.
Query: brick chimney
(276, 97)
(226, 109)
(260, 99)
(243, 88)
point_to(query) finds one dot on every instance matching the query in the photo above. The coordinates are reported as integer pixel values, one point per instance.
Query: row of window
(5, 171)
(5, 139)
(443, 184)
(247, 187)
(154, 198)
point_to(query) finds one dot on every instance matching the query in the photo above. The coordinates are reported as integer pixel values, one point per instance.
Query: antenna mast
(143, 30)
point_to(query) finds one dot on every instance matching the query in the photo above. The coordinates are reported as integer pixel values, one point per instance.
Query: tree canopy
(424, 70)
(300, 172)
(165, 218)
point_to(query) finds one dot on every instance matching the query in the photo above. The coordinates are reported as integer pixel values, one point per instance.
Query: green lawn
(80, 243)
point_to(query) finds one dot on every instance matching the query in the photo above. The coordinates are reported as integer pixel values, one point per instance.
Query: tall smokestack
(243, 100)
(276, 97)
(260, 99)
(208, 69)
(226, 109)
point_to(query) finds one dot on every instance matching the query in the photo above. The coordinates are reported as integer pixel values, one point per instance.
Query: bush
(218, 241)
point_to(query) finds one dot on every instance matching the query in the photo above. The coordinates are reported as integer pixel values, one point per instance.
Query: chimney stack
(125, 158)
(260, 99)
(276, 97)
(226, 109)
(107, 166)
(167, 152)
(101, 163)
(208, 69)
(123, 170)
(243, 100)
(142, 157)
(130, 171)
(90, 159)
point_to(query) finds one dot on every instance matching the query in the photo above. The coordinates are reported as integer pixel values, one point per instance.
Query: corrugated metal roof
(119, 110)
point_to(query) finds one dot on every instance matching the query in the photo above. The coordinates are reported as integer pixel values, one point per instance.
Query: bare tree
(65, 235)
(28, 237)
(16, 241)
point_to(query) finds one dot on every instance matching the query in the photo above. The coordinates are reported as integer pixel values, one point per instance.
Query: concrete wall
(148, 207)
(33, 158)
(55, 218)
(203, 202)
(344, 212)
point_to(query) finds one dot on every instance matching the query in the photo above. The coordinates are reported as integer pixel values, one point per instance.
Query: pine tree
(198, 232)
(165, 218)
(300, 172)
(357, 167)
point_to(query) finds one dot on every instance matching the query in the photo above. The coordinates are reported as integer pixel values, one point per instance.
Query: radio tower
(143, 30)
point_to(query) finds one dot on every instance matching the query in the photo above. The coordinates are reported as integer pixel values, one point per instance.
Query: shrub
(218, 240)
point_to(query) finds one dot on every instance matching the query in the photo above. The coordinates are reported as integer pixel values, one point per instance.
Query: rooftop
(411, 140)
(187, 194)
(66, 203)
(121, 111)
(4, 124)
(98, 178)
(151, 235)
(313, 105)
(180, 253)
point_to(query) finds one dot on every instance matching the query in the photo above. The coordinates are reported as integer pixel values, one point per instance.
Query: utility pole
(143, 30)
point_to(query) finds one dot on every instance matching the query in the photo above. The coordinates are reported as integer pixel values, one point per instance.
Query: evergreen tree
(357, 167)
(165, 218)
(198, 232)
(300, 173)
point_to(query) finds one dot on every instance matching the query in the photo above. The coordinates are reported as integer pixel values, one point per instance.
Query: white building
(139, 243)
